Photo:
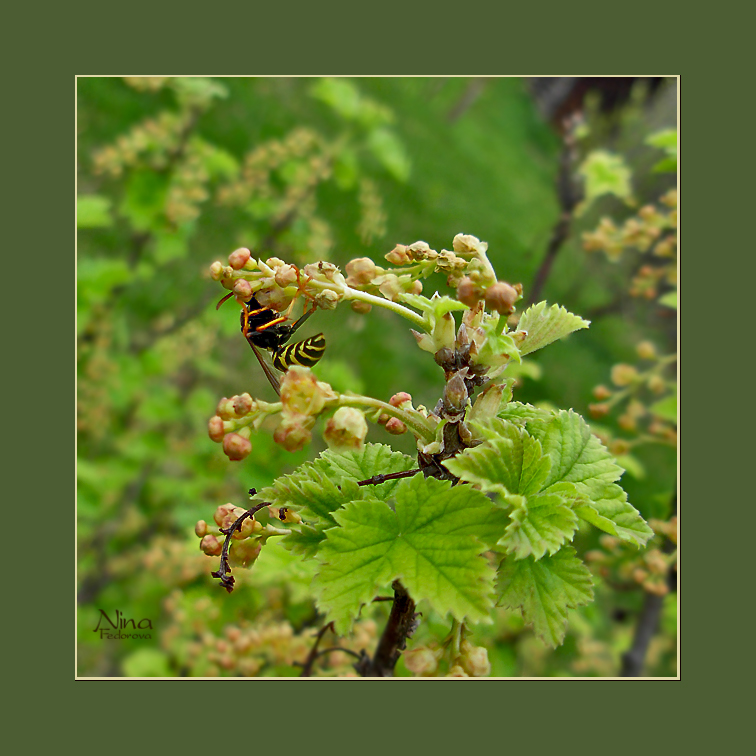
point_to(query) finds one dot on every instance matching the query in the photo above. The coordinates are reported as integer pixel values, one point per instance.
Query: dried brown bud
(211, 545)
(398, 255)
(501, 298)
(468, 293)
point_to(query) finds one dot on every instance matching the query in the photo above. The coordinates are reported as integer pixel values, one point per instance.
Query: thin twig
(313, 655)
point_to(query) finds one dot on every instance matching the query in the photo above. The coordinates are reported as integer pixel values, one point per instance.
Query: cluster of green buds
(646, 396)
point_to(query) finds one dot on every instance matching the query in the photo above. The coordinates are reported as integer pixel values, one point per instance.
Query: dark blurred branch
(569, 195)
(648, 621)
(473, 90)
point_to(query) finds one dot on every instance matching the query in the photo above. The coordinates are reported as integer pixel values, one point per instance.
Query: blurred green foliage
(176, 173)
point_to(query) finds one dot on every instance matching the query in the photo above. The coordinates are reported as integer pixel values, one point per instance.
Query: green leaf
(510, 457)
(665, 140)
(544, 326)
(669, 299)
(666, 408)
(431, 542)
(390, 152)
(339, 94)
(93, 211)
(605, 173)
(539, 524)
(544, 590)
(610, 511)
(317, 489)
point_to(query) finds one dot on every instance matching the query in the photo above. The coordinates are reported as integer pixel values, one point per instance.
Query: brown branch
(402, 622)
(648, 621)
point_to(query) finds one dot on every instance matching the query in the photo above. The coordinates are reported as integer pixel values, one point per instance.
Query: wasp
(265, 328)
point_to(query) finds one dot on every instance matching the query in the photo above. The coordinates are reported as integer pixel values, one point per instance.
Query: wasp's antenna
(228, 296)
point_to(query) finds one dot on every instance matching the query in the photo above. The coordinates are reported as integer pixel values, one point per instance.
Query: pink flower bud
(294, 433)
(395, 426)
(215, 429)
(243, 289)
(238, 258)
(242, 405)
(397, 400)
(286, 275)
(222, 512)
(236, 447)
(225, 409)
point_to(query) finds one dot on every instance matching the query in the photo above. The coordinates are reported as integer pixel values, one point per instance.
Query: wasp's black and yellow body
(265, 328)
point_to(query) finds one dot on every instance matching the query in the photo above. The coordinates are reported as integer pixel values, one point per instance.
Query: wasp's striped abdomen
(305, 353)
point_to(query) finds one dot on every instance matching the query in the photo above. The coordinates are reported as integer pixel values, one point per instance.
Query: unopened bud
(244, 553)
(623, 375)
(501, 298)
(236, 447)
(286, 275)
(360, 271)
(601, 393)
(243, 289)
(222, 512)
(468, 293)
(457, 671)
(243, 404)
(420, 661)
(225, 409)
(216, 270)
(302, 393)
(363, 308)
(395, 426)
(238, 258)
(598, 410)
(200, 529)
(398, 255)
(397, 400)
(346, 429)
(646, 350)
(475, 660)
(215, 429)
(294, 434)
(468, 244)
(455, 394)
(211, 545)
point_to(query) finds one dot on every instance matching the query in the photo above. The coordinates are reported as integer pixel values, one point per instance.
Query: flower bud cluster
(303, 398)
(233, 422)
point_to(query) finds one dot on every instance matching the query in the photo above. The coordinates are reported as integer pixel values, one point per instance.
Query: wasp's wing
(269, 374)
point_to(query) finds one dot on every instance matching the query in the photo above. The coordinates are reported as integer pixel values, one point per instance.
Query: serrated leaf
(546, 326)
(319, 488)
(510, 457)
(540, 523)
(427, 543)
(544, 590)
(610, 511)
